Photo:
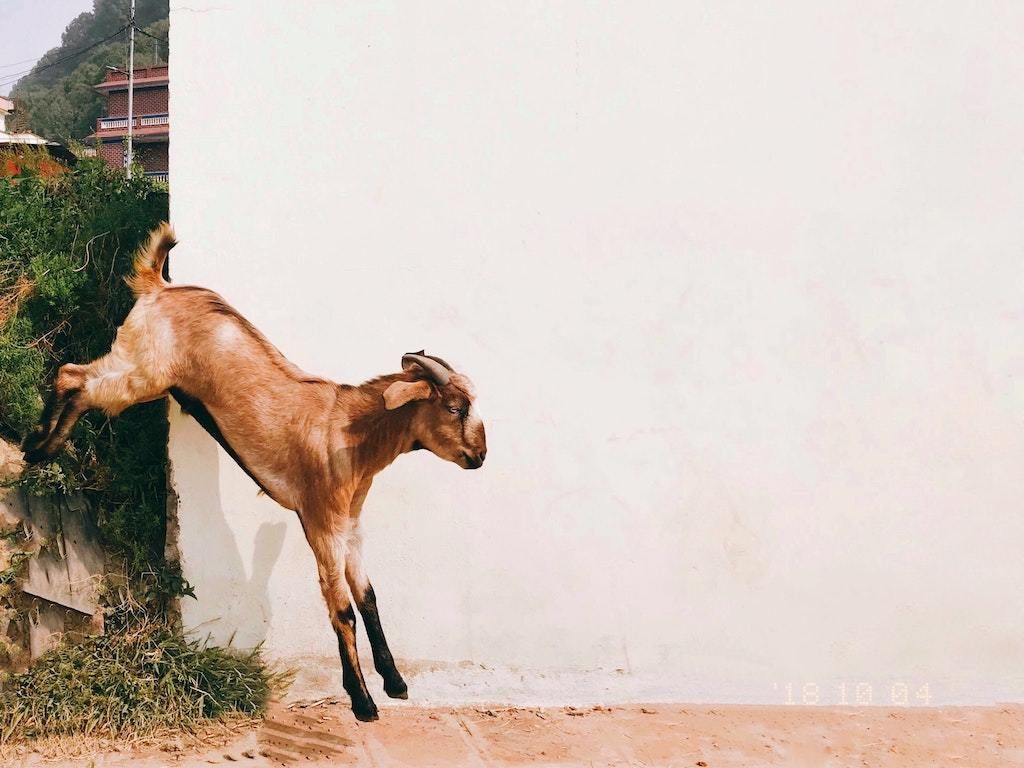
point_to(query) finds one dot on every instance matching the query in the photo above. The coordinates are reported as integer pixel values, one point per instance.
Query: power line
(66, 58)
(160, 39)
(8, 79)
(16, 63)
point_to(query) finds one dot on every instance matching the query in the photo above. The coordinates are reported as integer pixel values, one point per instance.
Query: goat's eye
(454, 409)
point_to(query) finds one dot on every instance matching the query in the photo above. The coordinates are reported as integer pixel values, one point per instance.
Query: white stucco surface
(741, 288)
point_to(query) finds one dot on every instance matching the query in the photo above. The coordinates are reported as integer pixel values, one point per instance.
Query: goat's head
(445, 419)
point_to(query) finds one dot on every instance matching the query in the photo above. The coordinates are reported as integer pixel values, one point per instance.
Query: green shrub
(21, 370)
(67, 238)
(59, 283)
(66, 243)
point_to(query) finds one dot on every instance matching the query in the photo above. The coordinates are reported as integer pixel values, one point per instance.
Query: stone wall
(51, 568)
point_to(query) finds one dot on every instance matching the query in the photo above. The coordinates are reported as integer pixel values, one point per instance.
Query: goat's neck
(383, 445)
(379, 436)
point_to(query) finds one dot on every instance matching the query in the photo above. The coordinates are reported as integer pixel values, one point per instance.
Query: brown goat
(312, 445)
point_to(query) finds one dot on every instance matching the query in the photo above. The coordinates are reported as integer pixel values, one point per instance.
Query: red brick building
(151, 130)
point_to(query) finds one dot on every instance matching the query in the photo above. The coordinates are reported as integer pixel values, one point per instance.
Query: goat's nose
(474, 462)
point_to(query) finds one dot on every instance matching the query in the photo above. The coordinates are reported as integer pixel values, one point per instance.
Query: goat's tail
(148, 274)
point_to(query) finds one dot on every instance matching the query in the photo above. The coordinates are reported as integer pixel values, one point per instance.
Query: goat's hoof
(367, 712)
(33, 440)
(36, 456)
(396, 689)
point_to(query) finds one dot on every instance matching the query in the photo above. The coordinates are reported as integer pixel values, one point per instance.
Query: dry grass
(143, 683)
(13, 290)
(213, 734)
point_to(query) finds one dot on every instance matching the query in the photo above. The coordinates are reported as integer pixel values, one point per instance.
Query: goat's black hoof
(396, 689)
(36, 456)
(33, 440)
(366, 712)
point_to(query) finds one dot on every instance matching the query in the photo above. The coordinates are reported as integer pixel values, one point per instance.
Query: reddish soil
(652, 735)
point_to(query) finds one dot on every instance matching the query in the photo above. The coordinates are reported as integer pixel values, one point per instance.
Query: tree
(59, 101)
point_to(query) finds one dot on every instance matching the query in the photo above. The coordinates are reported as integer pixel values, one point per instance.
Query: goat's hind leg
(62, 410)
(111, 383)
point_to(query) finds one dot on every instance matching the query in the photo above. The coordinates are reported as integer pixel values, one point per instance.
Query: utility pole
(131, 85)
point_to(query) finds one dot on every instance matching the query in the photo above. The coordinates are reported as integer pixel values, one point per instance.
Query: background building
(151, 129)
(21, 140)
(6, 108)
(740, 287)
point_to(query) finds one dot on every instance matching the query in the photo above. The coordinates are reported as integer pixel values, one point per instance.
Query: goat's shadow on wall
(232, 602)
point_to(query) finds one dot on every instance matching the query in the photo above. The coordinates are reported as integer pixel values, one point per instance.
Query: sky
(30, 29)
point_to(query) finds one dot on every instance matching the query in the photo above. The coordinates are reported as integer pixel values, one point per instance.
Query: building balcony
(140, 121)
(157, 176)
(104, 123)
(144, 127)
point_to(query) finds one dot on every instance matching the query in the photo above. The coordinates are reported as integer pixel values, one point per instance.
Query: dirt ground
(324, 733)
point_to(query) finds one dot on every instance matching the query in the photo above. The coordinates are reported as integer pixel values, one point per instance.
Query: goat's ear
(402, 392)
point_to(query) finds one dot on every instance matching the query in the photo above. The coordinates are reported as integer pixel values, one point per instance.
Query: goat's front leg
(366, 601)
(331, 549)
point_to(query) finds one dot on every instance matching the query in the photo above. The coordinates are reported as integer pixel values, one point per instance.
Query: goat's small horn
(438, 372)
(439, 360)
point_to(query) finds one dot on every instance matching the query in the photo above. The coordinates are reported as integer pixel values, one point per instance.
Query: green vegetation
(141, 681)
(66, 242)
(59, 102)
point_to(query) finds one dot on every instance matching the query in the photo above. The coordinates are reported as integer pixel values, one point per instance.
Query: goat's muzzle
(473, 461)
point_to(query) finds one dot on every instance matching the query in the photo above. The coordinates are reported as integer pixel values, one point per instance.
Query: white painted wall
(741, 285)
